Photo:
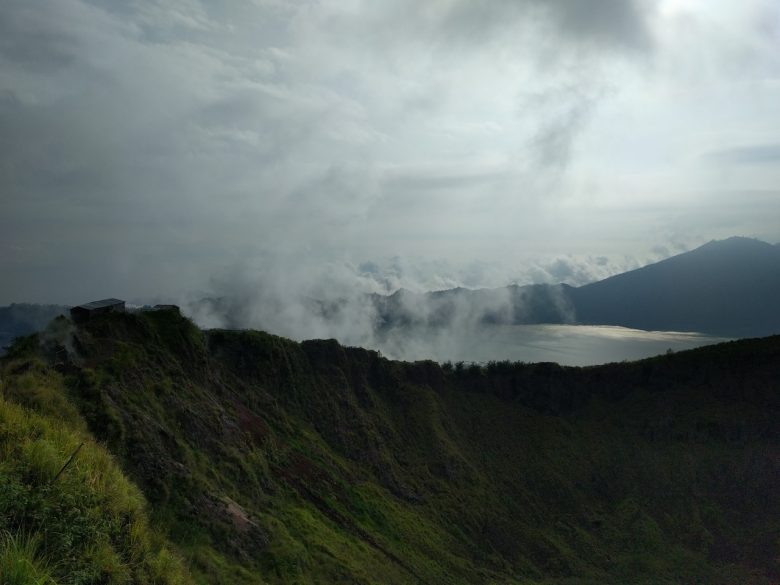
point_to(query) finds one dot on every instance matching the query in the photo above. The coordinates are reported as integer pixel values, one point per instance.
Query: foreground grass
(87, 526)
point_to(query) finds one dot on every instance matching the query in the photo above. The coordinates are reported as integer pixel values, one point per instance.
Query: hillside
(269, 461)
(727, 287)
(68, 514)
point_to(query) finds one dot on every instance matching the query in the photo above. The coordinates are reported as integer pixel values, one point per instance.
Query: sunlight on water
(574, 345)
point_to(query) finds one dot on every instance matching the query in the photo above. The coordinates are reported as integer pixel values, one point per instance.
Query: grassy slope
(269, 461)
(86, 525)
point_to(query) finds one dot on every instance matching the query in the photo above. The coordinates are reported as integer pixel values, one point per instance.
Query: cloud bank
(274, 152)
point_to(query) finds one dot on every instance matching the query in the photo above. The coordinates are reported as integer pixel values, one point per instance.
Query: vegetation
(268, 461)
(80, 524)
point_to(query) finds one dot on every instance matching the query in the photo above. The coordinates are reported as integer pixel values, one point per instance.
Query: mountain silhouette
(728, 287)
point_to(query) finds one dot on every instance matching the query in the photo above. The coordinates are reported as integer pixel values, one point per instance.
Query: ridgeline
(238, 457)
(727, 288)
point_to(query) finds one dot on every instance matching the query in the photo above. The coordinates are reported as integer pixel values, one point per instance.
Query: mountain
(262, 460)
(20, 319)
(726, 288)
(729, 288)
(536, 303)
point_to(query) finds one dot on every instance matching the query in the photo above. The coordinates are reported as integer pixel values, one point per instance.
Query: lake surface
(573, 345)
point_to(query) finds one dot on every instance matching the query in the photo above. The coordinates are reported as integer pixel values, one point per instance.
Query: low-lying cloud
(285, 156)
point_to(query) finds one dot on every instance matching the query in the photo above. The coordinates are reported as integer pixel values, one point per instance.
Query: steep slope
(269, 461)
(728, 287)
(68, 515)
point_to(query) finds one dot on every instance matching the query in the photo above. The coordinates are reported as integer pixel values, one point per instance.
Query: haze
(280, 151)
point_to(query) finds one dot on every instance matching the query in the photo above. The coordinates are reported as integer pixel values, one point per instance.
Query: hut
(86, 311)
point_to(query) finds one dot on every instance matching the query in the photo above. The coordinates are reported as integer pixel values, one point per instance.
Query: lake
(573, 345)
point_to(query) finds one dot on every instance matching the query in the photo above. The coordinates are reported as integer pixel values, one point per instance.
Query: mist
(288, 160)
(366, 305)
(455, 325)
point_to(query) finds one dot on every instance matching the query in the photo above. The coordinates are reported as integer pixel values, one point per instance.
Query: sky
(291, 149)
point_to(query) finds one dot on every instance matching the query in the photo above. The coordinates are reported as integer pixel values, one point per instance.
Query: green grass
(21, 562)
(90, 525)
(260, 460)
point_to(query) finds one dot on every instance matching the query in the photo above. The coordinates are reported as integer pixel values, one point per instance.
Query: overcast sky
(158, 149)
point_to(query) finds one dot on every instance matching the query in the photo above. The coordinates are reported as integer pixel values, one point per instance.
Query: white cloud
(146, 147)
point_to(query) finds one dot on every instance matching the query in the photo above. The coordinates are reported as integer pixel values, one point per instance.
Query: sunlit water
(574, 345)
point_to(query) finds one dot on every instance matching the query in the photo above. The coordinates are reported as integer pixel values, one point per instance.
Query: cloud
(598, 24)
(283, 154)
(761, 154)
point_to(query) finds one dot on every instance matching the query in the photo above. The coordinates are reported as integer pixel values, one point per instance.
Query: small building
(173, 308)
(86, 311)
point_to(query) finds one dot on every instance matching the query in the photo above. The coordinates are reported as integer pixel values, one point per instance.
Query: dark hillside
(728, 287)
(269, 461)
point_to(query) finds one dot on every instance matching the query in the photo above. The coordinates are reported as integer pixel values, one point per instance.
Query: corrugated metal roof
(101, 304)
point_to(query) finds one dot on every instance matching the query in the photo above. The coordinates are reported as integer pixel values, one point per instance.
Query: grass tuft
(21, 560)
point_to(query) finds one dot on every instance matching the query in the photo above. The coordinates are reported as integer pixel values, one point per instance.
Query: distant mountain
(20, 319)
(729, 287)
(537, 303)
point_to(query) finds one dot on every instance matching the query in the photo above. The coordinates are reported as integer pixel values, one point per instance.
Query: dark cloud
(762, 154)
(606, 22)
(596, 24)
(611, 24)
(564, 111)
(29, 41)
